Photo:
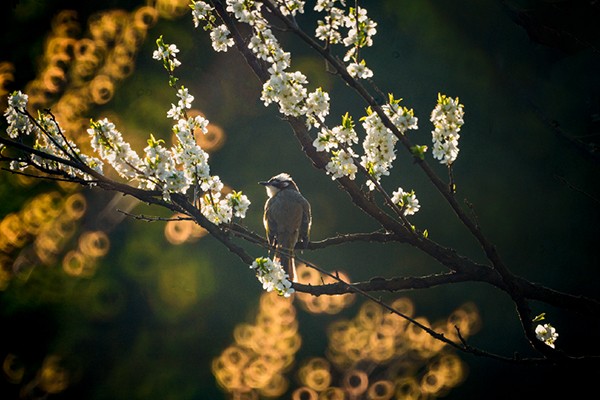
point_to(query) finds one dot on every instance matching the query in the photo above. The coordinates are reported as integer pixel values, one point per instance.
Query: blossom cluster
(18, 121)
(379, 147)
(338, 141)
(360, 32)
(49, 138)
(186, 163)
(380, 143)
(291, 7)
(287, 89)
(170, 170)
(272, 276)
(407, 201)
(167, 53)
(546, 333)
(447, 119)
(219, 34)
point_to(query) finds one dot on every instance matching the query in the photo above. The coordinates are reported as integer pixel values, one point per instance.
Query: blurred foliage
(98, 305)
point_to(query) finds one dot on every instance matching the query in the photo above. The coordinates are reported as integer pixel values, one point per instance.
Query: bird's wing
(270, 223)
(306, 221)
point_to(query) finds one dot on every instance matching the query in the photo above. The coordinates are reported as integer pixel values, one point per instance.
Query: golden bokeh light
(315, 374)
(355, 382)
(170, 9)
(305, 393)
(212, 140)
(41, 233)
(408, 362)
(178, 231)
(333, 393)
(408, 388)
(53, 377)
(80, 68)
(255, 363)
(94, 243)
(381, 390)
(424, 366)
(13, 369)
(74, 263)
(321, 304)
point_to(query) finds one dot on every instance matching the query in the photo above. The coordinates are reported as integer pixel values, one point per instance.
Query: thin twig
(151, 218)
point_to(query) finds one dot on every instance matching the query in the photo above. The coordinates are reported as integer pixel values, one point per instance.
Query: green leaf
(153, 142)
(347, 122)
(539, 317)
(419, 151)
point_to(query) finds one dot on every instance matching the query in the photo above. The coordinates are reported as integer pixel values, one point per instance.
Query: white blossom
(220, 38)
(185, 98)
(291, 7)
(407, 201)
(167, 53)
(18, 122)
(324, 5)
(317, 107)
(344, 134)
(201, 11)
(328, 29)
(174, 112)
(546, 333)
(342, 164)
(359, 70)
(239, 202)
(48, 138)
(361, 28)
(287, 89)
(216, 210)
(212, 184)
(160, 164)
(325, 140)
(108, 143)
(187, 153)
(272, 276)
(402, 117)
(447, 119)
(379, 147)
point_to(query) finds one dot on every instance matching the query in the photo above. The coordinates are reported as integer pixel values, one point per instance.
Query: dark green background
(525, 72)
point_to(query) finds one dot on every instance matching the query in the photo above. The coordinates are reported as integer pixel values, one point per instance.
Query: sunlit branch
(152, 218)
(372, 237)
(431, 281)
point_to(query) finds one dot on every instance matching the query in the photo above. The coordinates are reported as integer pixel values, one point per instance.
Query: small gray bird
(287, 219)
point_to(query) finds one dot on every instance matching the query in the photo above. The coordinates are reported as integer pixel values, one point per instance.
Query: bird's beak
(264, 183)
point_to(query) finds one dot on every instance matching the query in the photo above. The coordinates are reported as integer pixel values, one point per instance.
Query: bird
(287, 219)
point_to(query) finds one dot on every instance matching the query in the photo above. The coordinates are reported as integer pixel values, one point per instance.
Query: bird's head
(279, 182)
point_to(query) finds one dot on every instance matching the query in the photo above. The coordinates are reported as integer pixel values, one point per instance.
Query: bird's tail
(286, 259)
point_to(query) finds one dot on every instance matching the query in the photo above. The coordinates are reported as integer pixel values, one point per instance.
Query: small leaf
(539, 317)
(419, 151)
(347, 122)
